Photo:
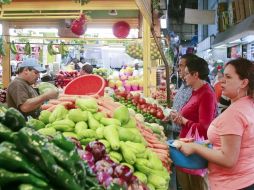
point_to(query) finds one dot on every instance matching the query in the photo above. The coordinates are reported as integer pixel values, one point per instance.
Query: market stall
(116, 143)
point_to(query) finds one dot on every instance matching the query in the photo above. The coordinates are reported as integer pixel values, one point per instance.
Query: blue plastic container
(193, 161)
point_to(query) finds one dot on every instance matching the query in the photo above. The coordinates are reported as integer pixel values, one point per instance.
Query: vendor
(86, 69)
(20, 93)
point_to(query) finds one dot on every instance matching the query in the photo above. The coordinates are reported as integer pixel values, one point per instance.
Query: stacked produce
(102, 72)
(29, 160)
(135, 51)
(152, 112)
(64, 77)
(111, 124)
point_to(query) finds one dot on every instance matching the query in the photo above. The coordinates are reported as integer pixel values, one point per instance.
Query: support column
(146, 57)
(6, 59)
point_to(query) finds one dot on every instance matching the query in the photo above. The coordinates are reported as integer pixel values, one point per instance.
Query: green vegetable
(87, 104)
(64, 125)
(154, 161)
(105, 142)
(116, 155)
(36, 124)
(126, 134)
(63, 143)
(122, 114)
(44, 116)
(77, 115)
(92, 123)
(86, 141)
(111, 135)
(59, 113)
(70, 134)
(137, 148)
(142, 177)
(14, 119)
(5, 133)
(157, 181)
(47, 131)
(100, 132)
(80, 126)
(16, 161)
(110, 121)
(86, 133)
(131, 123)
(7, 177)
(98, 116)
(29, 187)
(150, 186)
(46, 86)
(128, 154)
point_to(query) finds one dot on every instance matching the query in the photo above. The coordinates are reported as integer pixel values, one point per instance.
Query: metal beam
(70, 5)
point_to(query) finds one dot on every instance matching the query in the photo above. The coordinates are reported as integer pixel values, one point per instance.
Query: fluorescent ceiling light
(221, 46)
(236, 41)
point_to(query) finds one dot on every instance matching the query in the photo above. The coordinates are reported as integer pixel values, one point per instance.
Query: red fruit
(160, 115)
(152, 111)
(136, 96)
(142, 101)
(129, 96)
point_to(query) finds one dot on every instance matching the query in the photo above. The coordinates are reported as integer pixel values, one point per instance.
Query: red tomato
(160, 115)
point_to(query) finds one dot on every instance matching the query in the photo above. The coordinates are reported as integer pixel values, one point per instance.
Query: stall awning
(241, 30)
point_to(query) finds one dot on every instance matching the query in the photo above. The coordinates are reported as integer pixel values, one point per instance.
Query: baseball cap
(32, 62)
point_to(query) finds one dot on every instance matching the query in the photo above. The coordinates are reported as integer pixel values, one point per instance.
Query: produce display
(102, 72)
(64, 77)
(29, 160)
(135, 51)
(151, 111)
(129, 156)
(126, 80)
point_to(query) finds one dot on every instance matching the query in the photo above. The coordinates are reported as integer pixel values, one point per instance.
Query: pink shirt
(237, 119)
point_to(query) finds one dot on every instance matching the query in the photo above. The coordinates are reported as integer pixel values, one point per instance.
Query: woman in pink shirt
(231, 161)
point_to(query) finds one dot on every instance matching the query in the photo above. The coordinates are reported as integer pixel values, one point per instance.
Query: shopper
(20, 93)
(183, 93)
(231, 160)
(197, 113)
(86, 69)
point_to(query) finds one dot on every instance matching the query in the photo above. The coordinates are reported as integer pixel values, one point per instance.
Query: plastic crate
(86, 85)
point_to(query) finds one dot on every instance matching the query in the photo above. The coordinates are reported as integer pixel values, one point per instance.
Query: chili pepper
(9, 177)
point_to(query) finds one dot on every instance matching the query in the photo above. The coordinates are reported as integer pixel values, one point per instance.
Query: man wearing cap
(21, 95)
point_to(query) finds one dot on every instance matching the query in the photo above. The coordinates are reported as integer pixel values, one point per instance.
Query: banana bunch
(27, 49)
(2, 50)
(63, 50)
(13, 48)
(5, 1)
(51, 50)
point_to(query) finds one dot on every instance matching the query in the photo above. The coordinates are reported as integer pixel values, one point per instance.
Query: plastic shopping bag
(193, 134)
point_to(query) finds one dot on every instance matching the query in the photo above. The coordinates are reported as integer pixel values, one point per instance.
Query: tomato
(136, 96)
(152, 111)
(129, 96)
(142, 101)
(160, 115)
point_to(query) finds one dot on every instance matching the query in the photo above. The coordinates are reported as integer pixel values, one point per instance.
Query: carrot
(52, 108)
(160, 146)
(71, 99)
(55, 102)
(46, 106)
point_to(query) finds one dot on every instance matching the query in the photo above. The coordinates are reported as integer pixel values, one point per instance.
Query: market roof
(235, 32)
